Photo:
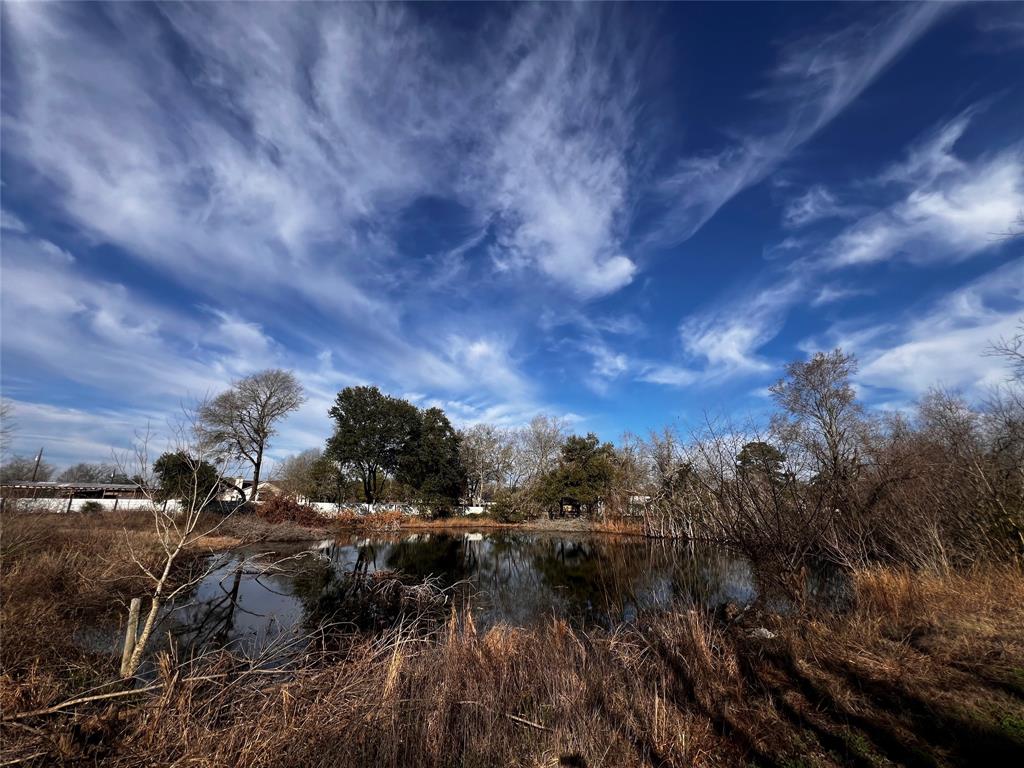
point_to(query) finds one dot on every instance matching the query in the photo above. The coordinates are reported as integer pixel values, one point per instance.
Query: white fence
(329, 509)
(77, 505)
(325, 508)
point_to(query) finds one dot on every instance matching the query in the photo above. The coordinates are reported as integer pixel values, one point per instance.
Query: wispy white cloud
(297, 130)
(950, 208)
(1002, 25)
(931, 156)
(559, 182)
(939, 344)
(832, 293)
(724, 341)
(817, 78)
(90, 330)
(489, 360)
(11, 222)
(816, 204)
(69, 434)
(267, 160)
(607, 365)
(669, 375)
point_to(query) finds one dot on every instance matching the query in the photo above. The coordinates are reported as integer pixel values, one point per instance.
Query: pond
(257, 596)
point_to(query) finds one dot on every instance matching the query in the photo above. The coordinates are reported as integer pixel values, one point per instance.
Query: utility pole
(35, 469)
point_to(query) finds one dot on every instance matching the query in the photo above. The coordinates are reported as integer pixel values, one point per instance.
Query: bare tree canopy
(310, 475)
(493, 459)
(821, 408)
(84, 472)
(1012, 350)
(542, 443)
(21, 468)
(244, 418)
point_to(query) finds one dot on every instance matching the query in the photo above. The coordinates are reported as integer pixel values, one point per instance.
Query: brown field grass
(924, 670)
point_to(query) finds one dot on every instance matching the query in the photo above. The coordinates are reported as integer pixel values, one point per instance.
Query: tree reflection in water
(503, 577)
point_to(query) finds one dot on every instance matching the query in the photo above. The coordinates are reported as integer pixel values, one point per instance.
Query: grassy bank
(389, 521)
(925, 670)
(568, 525)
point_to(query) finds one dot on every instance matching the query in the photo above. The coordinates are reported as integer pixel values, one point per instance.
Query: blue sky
(625, 215)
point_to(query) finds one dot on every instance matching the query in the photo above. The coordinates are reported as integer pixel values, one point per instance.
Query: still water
(255, 597)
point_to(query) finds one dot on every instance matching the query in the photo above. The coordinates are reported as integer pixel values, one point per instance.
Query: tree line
(941, 483)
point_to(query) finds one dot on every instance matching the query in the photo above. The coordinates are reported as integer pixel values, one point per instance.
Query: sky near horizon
(628, 216)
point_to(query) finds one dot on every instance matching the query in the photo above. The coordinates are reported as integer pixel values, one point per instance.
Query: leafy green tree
(758, 458)
(583, 476)
(372, 431)
(431, 462)
(180, 476)
(328, 483)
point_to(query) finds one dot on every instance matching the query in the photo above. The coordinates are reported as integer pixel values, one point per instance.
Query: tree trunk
(140, 645)
(254, 495)
(367, 488)
(131, 636)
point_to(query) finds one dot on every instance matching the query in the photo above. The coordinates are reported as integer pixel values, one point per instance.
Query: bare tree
(309, 474)
(493, 459)
(542, 442)
(479, 448)
(1011, 349)
(244, 418)
(84, 472)
(1015, 230)
(24, 468)
(176, 526)
(821, 411)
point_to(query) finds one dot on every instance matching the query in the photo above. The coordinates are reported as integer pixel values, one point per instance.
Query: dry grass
(62, 575)
(380, 522)
(482, 522)
(249, 528)
(925, 670)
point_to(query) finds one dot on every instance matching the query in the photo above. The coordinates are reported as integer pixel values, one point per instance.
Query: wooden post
(130, 634)
(71, 497)
(116, 499)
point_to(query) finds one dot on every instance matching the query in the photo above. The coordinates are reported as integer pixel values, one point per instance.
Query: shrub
(508, 507)
(91, 507)
(288, 509)
(386, 520)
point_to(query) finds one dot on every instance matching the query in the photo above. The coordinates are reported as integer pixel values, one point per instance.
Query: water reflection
(509, 577)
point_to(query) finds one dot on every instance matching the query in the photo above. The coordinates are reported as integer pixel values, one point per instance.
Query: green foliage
(91, 507)
(371, 432)
(1013, 726)
(314, 476)
(761, 459)
(583, 477)
(191, 481)
(509, 507)
(431, 463)
(381, 437)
